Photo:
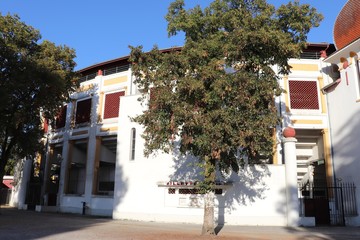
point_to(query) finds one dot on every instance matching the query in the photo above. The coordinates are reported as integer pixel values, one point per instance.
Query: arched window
(132, 144)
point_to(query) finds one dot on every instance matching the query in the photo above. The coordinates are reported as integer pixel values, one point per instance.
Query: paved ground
(22, 225)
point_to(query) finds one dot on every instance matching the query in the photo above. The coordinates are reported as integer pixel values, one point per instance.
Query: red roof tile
(347, 24)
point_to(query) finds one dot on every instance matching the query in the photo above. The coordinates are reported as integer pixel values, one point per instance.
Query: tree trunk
(209, 197)
(208, 227)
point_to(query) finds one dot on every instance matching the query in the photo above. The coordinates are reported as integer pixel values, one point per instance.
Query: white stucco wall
(257, 196)
(344, 112)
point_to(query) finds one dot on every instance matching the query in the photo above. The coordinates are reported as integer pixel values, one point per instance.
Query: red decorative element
(100, 73)
(112, 104)
(345, 64)
(289, 132)
(346, 28)
(303, 95)
(323, 54)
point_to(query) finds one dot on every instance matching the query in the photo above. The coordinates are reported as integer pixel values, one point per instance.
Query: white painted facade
(255, 197)
(103, 170)
(343, 97)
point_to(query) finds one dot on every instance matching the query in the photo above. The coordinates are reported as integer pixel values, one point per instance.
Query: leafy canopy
(35, 77)
(216, 94)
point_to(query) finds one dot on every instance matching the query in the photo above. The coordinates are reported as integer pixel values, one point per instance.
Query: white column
(24, 180)
(292, 200)
(64, 163)
(91, 151)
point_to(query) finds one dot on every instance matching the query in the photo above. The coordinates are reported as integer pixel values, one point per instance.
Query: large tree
(215, 96)
(35, 79)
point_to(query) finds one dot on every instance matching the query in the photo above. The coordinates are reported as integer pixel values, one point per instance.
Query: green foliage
(35, 77)
(216, 95)
(10, 166)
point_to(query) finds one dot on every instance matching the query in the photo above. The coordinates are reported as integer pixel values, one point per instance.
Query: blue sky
(103, 30)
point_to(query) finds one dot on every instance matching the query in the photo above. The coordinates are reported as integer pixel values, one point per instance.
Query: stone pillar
(292, 199)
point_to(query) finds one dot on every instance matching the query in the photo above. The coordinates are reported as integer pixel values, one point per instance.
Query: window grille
(303, 95)
(189, 191)
(112, 104)
(83, 110)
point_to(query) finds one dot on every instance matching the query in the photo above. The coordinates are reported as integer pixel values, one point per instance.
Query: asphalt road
(22, 225)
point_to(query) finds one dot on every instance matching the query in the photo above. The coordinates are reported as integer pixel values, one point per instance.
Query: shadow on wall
(248, 185)
(346, 149)
(281, 205)
(120, 186)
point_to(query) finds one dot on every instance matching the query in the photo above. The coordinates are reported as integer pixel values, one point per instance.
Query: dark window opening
(83, 110)
(60, 120)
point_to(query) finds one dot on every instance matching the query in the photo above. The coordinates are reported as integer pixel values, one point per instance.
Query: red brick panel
(112, 101)
(303, 95)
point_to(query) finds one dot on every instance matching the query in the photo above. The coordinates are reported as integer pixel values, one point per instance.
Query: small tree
(216, 94)
(35, 79)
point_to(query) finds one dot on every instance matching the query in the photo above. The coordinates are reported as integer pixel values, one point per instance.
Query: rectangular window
(132, 144)
(61, 118)
(112, 104)
(303, 95)
(83, 110)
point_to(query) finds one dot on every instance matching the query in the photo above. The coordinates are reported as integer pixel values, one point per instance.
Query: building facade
(95, 163)
(343, 97)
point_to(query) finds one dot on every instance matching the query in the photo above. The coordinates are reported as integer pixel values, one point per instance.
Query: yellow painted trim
(100, 107)
(322, 96)
(306, 121)
(115, 81)
(304, 67)
(110, 129)
(287, 97)
(275, 155)
(327, 156)
(96, 165)
(79, 133)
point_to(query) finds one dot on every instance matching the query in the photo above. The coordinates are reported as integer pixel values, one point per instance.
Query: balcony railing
(116, 69)
(87, 77)
(310, 55)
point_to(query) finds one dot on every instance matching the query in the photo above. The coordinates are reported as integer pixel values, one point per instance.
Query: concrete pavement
(22, 225)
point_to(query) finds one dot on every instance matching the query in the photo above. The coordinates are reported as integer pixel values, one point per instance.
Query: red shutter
(112, 104)
(303, 95)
